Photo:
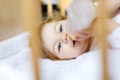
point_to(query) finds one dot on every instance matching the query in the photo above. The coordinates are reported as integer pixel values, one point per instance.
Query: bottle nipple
(71, 37)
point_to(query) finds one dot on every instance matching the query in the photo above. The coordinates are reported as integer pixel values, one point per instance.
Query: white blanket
(86, 67)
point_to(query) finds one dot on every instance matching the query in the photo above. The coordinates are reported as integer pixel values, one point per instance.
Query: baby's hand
(112, 6)
(83, 35)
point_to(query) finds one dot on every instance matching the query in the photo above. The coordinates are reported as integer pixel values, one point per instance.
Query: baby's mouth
(74, 43)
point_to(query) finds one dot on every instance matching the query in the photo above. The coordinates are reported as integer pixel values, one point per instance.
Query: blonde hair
(44, 51)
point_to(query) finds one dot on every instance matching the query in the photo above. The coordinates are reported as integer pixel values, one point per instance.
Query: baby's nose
(64, 37)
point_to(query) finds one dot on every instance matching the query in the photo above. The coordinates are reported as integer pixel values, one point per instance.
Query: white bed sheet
(86, 67)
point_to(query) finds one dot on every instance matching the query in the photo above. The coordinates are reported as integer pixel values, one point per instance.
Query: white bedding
(86, 67)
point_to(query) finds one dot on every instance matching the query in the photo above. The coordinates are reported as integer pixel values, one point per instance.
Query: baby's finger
(82, 36)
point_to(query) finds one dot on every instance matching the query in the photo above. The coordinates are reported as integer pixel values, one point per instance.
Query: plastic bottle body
(81, 13)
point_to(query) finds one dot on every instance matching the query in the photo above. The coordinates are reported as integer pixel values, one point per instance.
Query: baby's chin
(72, 56)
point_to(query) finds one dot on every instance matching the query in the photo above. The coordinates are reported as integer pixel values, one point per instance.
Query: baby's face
(56, 40)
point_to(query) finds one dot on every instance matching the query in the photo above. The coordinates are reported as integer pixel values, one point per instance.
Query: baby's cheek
(67, 48)
(68, 51)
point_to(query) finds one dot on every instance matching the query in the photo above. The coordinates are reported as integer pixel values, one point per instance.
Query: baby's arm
(112, 5)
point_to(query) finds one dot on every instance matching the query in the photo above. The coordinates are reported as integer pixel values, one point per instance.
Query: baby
(56, 43)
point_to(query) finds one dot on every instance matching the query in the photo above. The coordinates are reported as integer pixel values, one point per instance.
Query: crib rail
(30, 9)
(102, 39)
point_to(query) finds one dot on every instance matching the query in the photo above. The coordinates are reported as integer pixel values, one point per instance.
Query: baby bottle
(80, 14)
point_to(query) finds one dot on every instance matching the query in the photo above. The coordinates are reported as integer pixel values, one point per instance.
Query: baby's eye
(61, 28)
(59, 46)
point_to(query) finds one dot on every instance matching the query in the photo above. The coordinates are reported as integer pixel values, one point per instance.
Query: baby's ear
(83, 35)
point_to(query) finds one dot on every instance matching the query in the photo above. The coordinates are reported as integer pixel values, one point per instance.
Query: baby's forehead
(48, 35)
(53, 23)
(50, 23)
(50, 27)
